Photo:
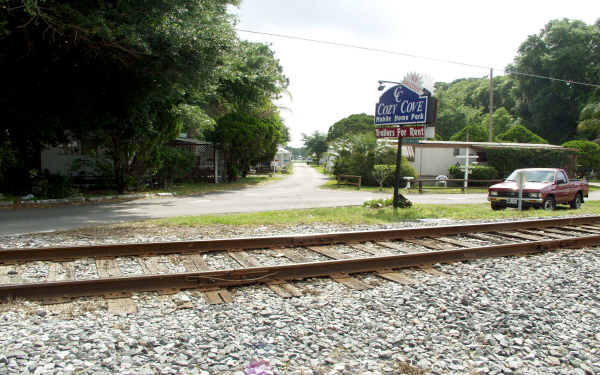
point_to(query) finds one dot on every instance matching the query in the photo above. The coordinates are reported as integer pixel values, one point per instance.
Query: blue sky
(328, 83)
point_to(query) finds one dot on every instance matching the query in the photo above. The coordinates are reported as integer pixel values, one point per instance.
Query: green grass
(200, 188)
(362, 215)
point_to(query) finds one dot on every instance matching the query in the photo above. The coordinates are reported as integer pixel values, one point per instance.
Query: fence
(443, 184)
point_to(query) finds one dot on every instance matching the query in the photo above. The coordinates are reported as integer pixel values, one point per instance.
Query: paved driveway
(299, 190)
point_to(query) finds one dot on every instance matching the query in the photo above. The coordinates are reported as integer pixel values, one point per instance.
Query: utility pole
(491, 131)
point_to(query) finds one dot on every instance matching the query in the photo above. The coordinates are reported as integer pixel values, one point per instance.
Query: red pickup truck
(542, 188)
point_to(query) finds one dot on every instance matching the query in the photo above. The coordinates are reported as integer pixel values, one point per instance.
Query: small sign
(401, 105)
(414, 131)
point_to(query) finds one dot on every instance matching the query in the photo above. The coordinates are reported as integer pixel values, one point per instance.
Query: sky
(329, 83)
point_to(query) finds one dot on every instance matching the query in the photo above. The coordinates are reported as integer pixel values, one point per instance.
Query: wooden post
(491, 129)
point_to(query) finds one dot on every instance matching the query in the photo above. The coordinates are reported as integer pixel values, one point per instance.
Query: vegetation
(554, 110)
(475, 133)
(124, 81)
(365, 215)
(353, 124)
(477, 172)
(315, 144)
(520, 134)
(382, 172)
(359, 154)
(506, 160)
(588, 157)
(568, 49)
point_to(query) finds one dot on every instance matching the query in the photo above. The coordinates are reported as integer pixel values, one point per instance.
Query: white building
(433, 158)
(282, 159)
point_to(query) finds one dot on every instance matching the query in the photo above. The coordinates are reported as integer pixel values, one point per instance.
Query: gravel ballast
(537, 314)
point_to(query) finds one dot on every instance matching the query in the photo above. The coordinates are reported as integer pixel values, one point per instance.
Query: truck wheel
(549, 204)
(576, 203)
(496, 206)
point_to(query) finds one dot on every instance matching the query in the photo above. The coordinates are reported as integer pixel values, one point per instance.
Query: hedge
(506, 160)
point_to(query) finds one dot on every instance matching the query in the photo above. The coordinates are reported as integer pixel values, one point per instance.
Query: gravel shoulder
(537, 314)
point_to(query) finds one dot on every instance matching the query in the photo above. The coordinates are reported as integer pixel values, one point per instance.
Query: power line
(445, 61)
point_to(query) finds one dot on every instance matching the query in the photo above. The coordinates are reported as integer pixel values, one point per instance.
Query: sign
(414, 131)
(401, 105)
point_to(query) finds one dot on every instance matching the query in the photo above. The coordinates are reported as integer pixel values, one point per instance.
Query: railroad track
(213, 266)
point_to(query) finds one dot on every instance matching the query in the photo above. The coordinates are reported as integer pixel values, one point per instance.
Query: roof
(452, 144)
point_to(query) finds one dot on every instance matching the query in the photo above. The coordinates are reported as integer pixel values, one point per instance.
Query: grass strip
(362, 215)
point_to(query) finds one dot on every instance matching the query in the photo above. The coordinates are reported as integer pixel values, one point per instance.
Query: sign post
(399, 106)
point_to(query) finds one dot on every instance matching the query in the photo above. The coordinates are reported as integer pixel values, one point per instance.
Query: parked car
(542, 188)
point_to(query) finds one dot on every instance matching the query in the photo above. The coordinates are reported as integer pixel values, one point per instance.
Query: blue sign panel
(401, 105)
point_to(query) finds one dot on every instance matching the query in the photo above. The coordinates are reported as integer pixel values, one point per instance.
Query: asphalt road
(300, 190)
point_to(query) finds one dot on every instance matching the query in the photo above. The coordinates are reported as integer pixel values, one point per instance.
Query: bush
(588, 158)
(175, 163)
(506, 160)
(478, 172)
(51, 186)
(520, 134)
(477, 133)
(359, 154)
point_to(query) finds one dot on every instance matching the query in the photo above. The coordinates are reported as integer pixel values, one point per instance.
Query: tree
(466, 102)
(588, 157)
(502, 120)
(381, 172)
(563, 49)
(315, 144)
(520, 134)
(589, 122)
(249, 80)
(477, 133)
(353, 124)
(359, 153)
(247, 139)
(106, 71)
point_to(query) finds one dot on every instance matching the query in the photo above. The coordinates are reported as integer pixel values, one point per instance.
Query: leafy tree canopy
(110, 71)
(477, 133)
(588, 158)
(247, 139)
(564, 49)
(466, 102)
(589, 122)
(353, 124)
(520, 134)
(502, 120)
(316, 143)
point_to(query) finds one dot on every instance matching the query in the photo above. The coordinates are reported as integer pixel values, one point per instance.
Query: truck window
(560, 178)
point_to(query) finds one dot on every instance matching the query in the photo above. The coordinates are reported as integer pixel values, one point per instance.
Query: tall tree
(316, 144)
(112, 71)
(247, 139)
(564, 49)
(353, 124)
(589, 122)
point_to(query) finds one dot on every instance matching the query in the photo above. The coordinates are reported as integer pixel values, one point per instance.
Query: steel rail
(246, 276)
(15, 255)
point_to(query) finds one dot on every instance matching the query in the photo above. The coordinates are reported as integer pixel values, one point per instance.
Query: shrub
(477, 133)
(588, 157)
(175, 163)
(360, 153)
(520, 134)
(506, 160)
(52, 186)
(382, 172)
(478, 172)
